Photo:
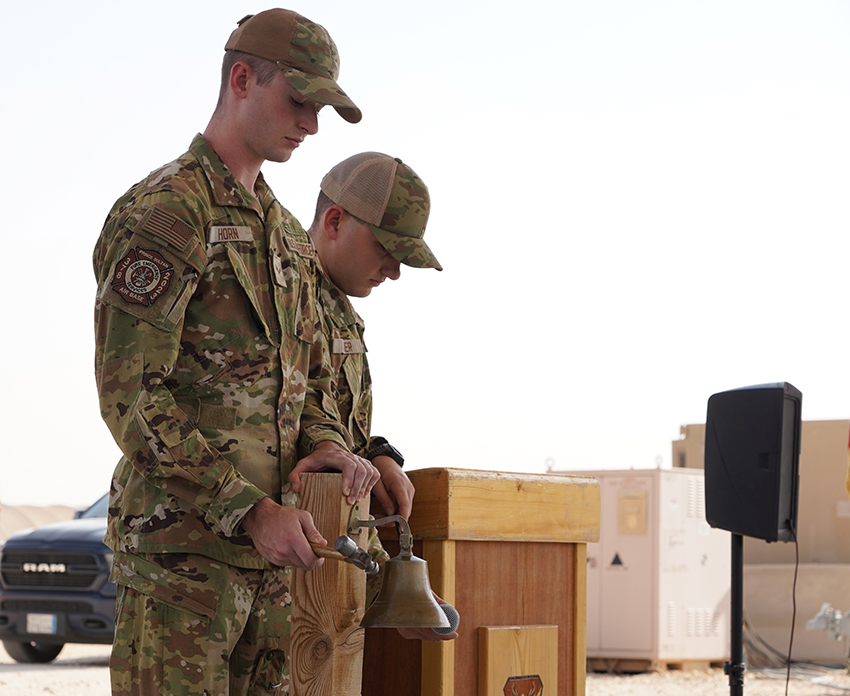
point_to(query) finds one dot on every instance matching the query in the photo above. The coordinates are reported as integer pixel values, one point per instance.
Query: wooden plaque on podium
(509, 552)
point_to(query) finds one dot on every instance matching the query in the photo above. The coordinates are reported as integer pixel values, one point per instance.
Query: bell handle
(405, 538)
(358, 560)
(323, 551)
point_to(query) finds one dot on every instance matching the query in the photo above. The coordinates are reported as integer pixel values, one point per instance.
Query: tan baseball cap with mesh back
(303, 50)
(386, 194)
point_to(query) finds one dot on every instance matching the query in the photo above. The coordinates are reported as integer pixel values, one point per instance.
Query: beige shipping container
(658, 581)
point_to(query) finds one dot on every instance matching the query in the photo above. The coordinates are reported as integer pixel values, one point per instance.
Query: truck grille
(47, 569)
(48, 607)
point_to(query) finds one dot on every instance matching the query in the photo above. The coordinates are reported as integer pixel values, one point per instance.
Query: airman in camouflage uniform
(370, 218)
(207, 361)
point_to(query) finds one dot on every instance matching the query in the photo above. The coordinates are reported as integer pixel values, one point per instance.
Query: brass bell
(405, 599)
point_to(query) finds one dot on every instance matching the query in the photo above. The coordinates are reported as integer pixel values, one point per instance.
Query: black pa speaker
(752, 454)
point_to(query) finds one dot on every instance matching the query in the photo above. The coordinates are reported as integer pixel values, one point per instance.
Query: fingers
(384, 499)
(428, 634)
(359, 477)
(304, 555)
(425, 634)
(403, 495)
(294, 479)
(292, 550)
(309, 463)
(300, 557)
(358, 474)
(282, 535)
(397, 485)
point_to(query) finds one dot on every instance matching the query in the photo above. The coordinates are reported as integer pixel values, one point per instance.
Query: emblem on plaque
(529, 685)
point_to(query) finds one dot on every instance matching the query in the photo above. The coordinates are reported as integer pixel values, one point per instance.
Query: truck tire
(32, 652)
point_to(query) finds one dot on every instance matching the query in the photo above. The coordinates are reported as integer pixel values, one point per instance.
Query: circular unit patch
(142, 276)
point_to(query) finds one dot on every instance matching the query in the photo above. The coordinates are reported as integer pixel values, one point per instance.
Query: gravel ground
(81, 670)
(757, 682)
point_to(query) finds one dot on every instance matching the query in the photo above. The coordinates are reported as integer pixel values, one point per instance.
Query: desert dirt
(81, 670)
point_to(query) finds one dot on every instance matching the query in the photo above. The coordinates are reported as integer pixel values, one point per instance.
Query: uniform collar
(226, 190)
(335, 302)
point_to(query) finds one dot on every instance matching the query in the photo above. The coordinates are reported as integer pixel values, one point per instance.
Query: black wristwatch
(380, 447)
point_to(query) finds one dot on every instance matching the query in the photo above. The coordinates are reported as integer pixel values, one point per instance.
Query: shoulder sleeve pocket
(156, 272)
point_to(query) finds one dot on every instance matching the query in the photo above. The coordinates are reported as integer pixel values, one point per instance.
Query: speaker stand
(736, 667)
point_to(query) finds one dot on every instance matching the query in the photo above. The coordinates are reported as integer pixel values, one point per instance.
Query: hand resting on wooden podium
(282, 534)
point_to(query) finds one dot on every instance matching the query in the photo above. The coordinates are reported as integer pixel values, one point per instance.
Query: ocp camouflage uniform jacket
(205, 323)
(351, 383)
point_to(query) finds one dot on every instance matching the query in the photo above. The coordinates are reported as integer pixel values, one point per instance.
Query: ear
(240, 78)
(332, 222)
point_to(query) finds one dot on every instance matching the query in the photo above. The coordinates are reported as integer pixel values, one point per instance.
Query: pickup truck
(54, 587)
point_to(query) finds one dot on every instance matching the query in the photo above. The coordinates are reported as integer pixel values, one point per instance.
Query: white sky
(637, 204)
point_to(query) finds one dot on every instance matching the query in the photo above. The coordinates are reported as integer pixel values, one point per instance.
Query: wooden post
(328, 603)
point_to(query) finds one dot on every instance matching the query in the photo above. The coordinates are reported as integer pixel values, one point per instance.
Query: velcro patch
(142, 276)
(164, 225)
(301, 248)
(347, 346)
(230, 233)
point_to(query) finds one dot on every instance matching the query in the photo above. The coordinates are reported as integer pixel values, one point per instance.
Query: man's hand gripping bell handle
(356, 556)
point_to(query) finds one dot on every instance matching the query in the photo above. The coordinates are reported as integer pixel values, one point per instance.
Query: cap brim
(323, 90)
(411, 251)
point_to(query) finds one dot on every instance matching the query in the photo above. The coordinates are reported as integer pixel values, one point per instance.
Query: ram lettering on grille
(45, 568)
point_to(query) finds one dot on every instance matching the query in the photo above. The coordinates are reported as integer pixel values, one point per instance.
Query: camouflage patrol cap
(387, 195)
(304, 51)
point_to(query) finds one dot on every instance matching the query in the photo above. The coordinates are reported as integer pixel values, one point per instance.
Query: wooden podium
(509, 552)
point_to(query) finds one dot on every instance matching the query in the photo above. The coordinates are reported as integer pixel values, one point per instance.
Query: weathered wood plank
(438, 659)
(463, 504)
(525, 656)
(328, 603)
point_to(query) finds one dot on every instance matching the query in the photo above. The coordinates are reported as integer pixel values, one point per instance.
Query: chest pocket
(348, 358)
(294, 294)
(260, 301)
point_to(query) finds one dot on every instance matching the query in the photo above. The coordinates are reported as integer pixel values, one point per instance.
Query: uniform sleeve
(320, 419)
(144, 284)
